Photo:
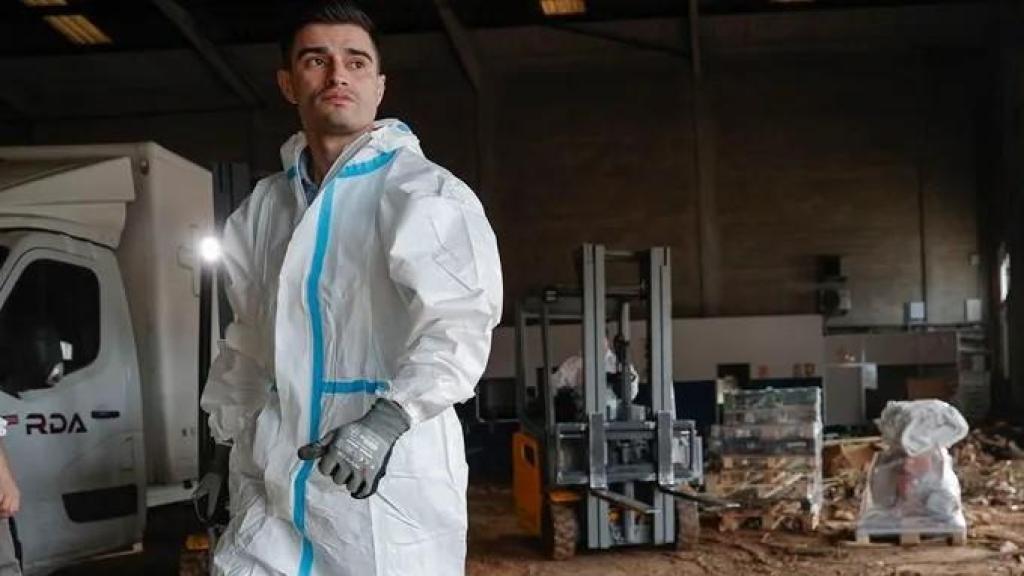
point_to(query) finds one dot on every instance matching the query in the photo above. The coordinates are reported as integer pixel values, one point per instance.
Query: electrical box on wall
(972, 310)
(832, 294)
(831, 269)
(834, 301)
(914, 313)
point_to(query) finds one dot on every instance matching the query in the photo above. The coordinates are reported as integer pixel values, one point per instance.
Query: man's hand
(356, 455)
(209, 487)
(10, 496)
(211, 484)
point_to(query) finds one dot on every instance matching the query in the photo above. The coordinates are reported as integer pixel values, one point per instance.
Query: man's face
(334, 79)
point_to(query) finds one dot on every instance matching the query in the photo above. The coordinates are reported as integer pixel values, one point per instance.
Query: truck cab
(73, 401)
(99, 340)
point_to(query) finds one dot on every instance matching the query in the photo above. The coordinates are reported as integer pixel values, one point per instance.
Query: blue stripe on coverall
(353, 386)
(319, 385)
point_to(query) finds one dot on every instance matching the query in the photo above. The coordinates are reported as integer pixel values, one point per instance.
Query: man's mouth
(337, 98)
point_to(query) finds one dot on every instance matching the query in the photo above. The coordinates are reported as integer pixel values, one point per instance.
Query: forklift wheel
(687, 525)
(561, 529)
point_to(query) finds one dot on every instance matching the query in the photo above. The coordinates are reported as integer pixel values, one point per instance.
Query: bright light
(78, 29)
(1004, 278)
(563, 7)
(209, 249)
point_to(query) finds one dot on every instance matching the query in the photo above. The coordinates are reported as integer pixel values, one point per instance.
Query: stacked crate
(766, 456)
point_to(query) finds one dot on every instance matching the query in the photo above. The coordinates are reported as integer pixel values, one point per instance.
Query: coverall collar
(387, 135)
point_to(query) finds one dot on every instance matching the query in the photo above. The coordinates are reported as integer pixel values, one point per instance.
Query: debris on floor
(993, 497)
(499, 547)
(846, 463)
(990, 468)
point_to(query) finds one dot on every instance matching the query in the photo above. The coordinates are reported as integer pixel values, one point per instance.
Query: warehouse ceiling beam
(465, 49)
(208, 51)
(468, 56)
(705, 160)
(636, 43)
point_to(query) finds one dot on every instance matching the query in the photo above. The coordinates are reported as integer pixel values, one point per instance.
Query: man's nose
(338, 75)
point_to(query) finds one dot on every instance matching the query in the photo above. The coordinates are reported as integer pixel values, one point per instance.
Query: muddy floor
(499, 547)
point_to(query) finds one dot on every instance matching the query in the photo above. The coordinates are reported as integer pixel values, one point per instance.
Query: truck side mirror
(32, 360)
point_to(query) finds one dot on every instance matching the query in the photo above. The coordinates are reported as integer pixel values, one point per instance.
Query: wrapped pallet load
(766, 456)
(912, 490)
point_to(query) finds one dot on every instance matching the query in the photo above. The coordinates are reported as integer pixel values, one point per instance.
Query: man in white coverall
(365, 282)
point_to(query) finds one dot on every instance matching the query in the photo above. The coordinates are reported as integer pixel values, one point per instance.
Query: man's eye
(357, 64)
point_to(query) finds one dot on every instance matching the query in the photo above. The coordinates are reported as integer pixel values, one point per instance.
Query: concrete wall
(864, 156)
(596, 153)
(773, 346)
(699, 345)
(893, 349)
(830, 134)
(839, 132)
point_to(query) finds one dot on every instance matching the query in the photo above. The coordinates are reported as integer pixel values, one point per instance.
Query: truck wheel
(562, 529)
(687, 525)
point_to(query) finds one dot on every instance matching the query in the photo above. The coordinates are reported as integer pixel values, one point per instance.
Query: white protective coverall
(388, 285)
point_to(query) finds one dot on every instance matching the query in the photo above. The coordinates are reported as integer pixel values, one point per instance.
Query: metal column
(595, 384)
(659, 339)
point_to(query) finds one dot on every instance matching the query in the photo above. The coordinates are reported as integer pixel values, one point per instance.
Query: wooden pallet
(799, 462)
(913, 538)
(762, 486)
(741, 476)
(781, 515)
(781, 447)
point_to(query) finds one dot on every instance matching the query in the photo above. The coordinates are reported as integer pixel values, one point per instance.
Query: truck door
(75, 443)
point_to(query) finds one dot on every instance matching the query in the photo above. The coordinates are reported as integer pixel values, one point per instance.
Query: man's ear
(381, 81)
(284, 83)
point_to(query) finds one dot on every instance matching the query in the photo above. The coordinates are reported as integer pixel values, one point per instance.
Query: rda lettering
(55, 423)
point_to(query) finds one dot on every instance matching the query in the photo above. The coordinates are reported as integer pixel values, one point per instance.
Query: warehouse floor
(499, 547)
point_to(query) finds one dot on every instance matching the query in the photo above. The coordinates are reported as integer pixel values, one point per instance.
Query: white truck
(99, 339)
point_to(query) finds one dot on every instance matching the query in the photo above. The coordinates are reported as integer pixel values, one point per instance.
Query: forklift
(592, 465)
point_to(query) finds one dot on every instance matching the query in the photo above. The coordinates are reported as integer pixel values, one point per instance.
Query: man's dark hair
(328, 12)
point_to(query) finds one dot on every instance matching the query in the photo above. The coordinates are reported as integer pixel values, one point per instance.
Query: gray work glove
(211, 485)
(356, 455)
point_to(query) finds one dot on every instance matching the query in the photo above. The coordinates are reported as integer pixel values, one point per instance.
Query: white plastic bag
(919, 426)
(912, 487)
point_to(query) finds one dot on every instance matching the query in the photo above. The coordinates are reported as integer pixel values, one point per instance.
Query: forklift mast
(624, 460)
